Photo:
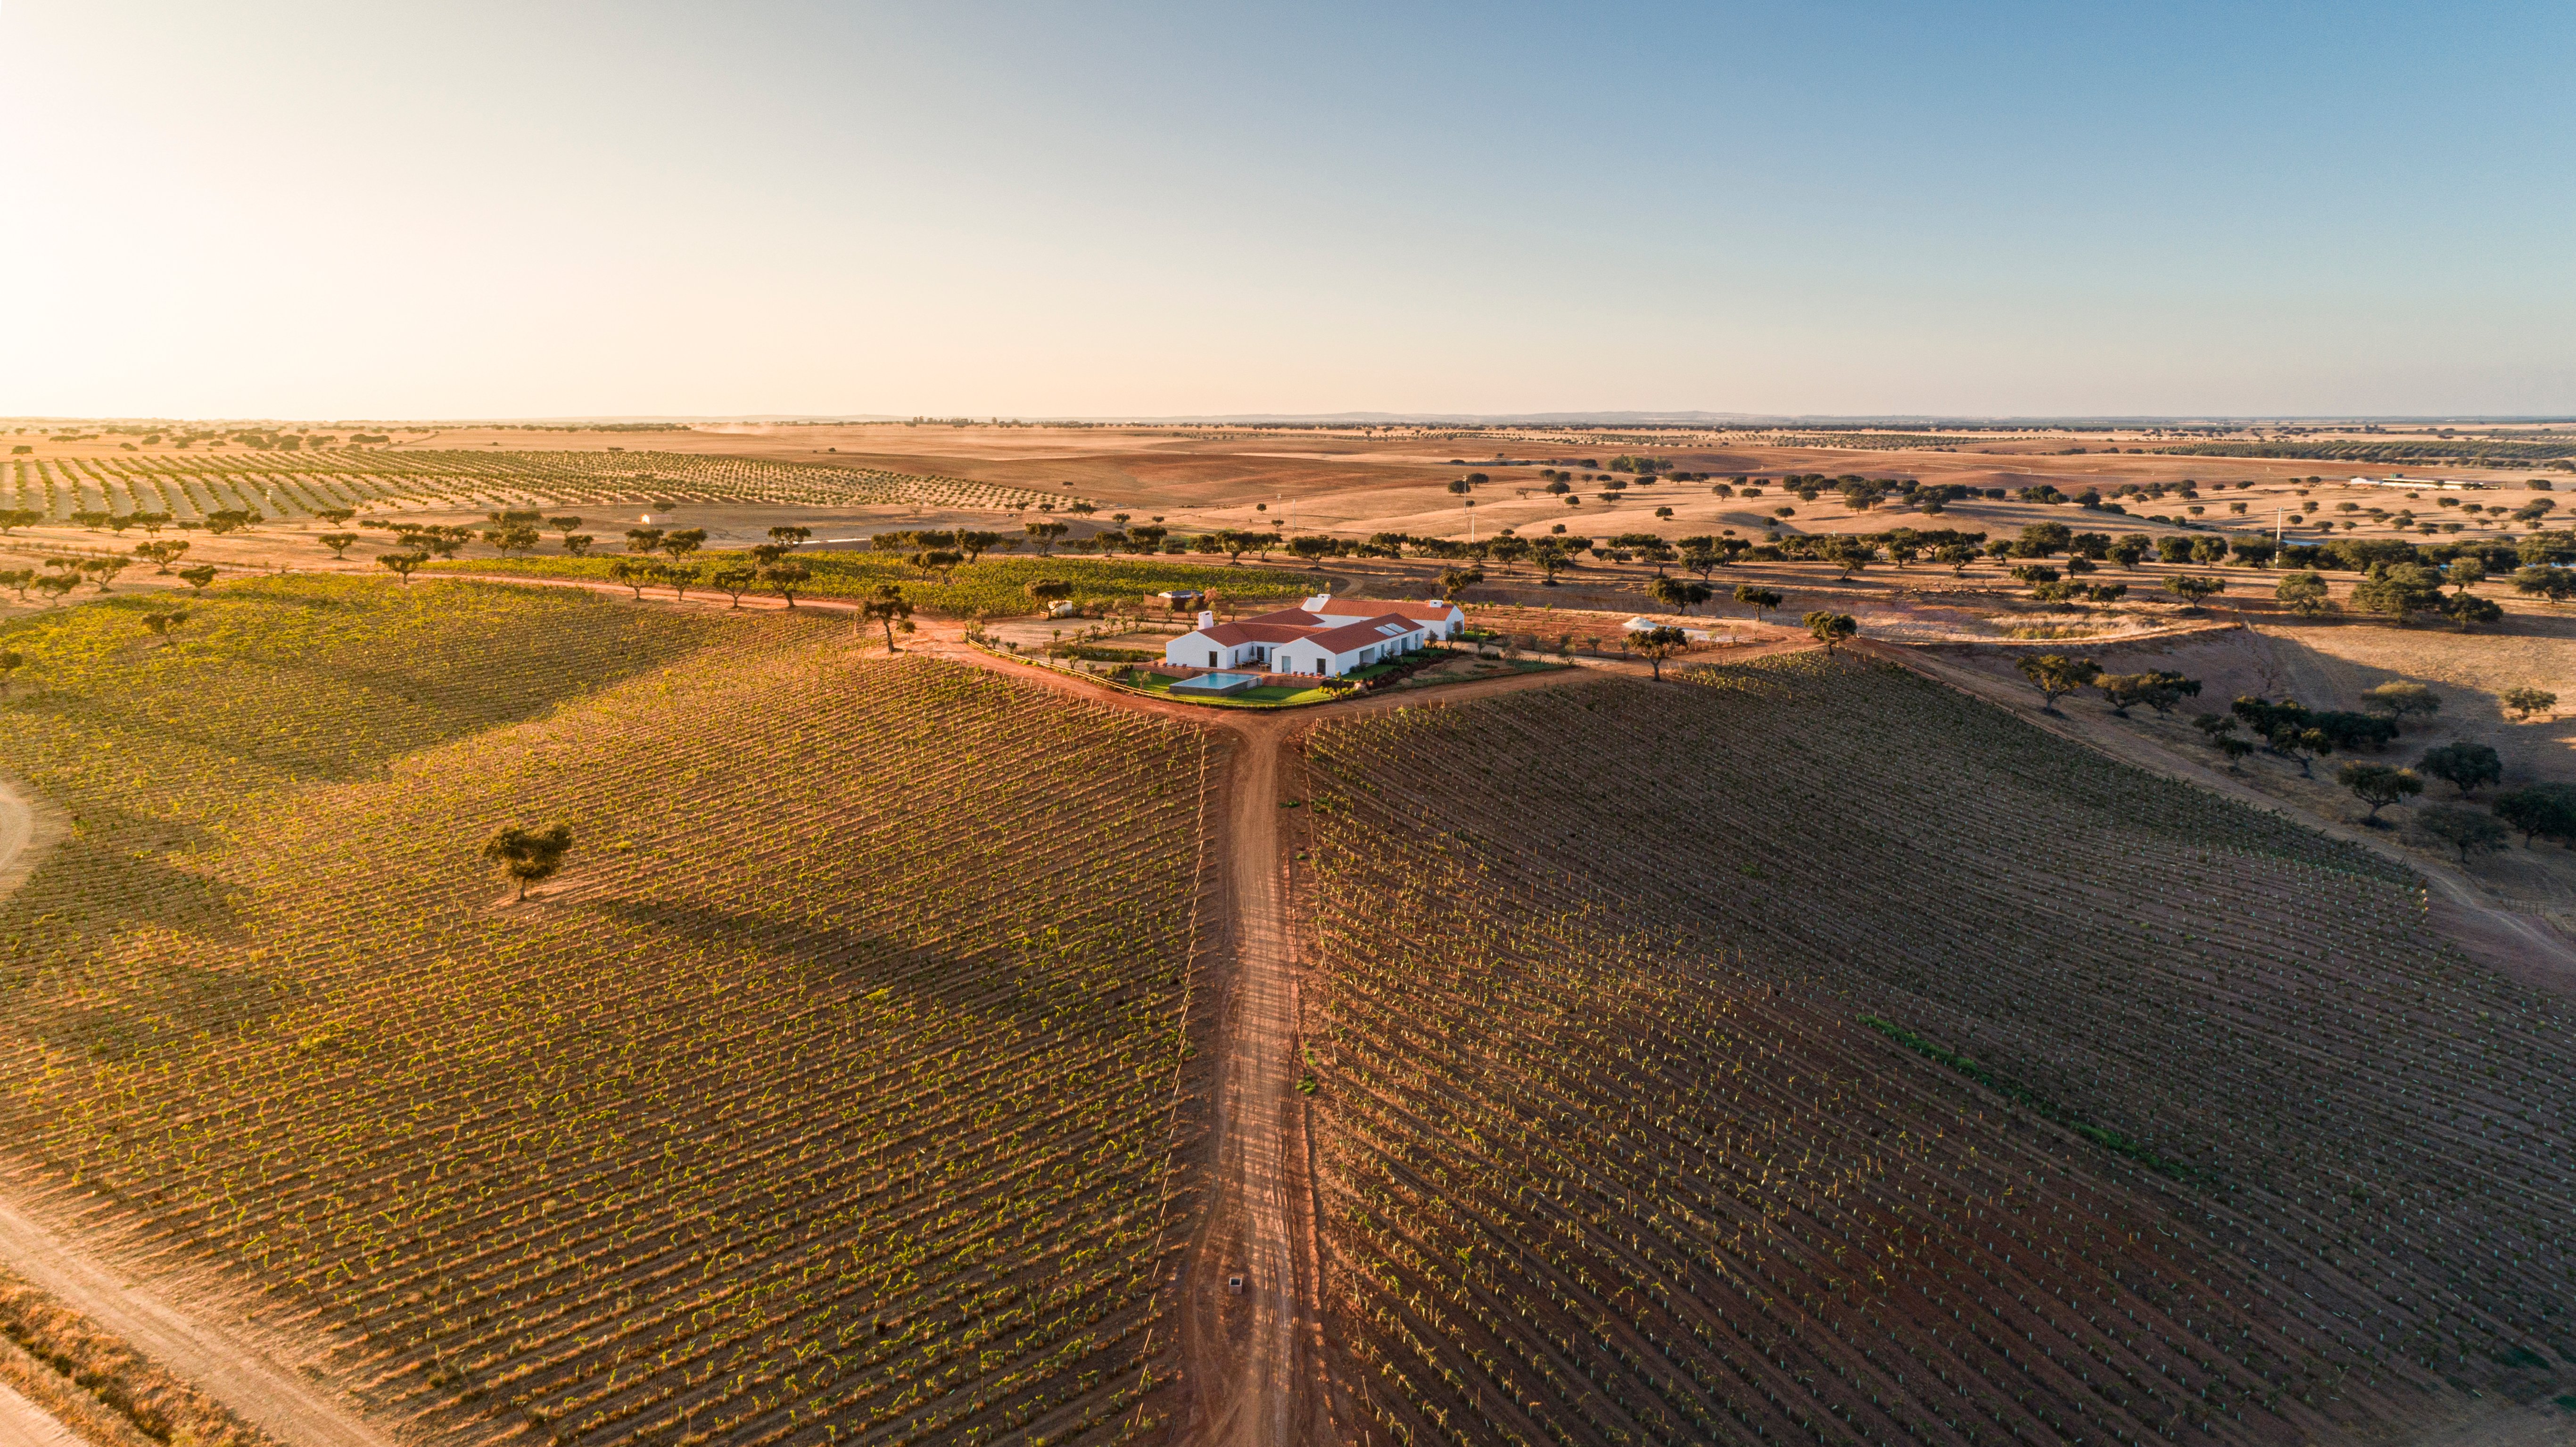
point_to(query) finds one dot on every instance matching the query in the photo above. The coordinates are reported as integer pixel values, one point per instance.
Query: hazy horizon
(2002, 212)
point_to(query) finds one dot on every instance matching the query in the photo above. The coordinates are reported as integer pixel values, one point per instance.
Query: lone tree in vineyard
(2379, 786)
(2055, 675)
(1831, 628)
(11, 660)
(1657, 644)
(789, 535)
(529, 855)
(401, 565)
(888, 606)
(201, 575)
(1050, 590)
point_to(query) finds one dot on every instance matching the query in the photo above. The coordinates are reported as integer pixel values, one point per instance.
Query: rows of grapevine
(298, 484)
(825, 1097)
(1617, 1158)
(994, 585)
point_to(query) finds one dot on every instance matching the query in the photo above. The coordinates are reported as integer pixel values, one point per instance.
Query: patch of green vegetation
(2022, 1095)
(996, 587)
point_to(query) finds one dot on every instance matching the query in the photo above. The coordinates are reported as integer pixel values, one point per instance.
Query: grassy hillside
(996, 586)
(825, 1097)
(1816, 1052)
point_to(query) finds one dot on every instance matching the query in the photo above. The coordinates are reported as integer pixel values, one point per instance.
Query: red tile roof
(1253, 631)
(1351, 636)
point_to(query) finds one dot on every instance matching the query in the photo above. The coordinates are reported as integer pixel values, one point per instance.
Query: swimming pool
(1217, 683)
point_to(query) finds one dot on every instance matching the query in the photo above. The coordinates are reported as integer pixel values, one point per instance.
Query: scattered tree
(198, 577)
(1760, 600)
(2545, 810)
(643, 540)
(2055, 675)
(530, 855)
(2379, 786)
(338, 543)
(2192, 588)
(2524, 702)
(1454, 581)
(790, 536)
(1657, 644)
(733, 580)
(786, 575)
(2398, 591)
(11, 660)
(888, 606)
(2402, 700)
(401, 565)
(634, 573)
(1831, 628)
(2157, 689)
(2463, 765)
(576, 544)
(2304, 594)
(2463, 829)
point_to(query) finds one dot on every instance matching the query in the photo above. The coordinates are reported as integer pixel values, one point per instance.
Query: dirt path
(217, 1361)
(1253, 1358)
(24, 1424)
(27, 827)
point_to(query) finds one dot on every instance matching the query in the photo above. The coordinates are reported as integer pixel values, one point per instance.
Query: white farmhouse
(1319, 636)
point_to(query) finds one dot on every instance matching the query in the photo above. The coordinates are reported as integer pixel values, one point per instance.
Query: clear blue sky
(274, 208)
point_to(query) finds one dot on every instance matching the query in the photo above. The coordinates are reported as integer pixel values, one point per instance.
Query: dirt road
(24, 1424)
(216, 1360)
(1253, 1356)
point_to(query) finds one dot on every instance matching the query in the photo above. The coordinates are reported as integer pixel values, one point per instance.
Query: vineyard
(825, 1097)
(996, 586)
(1813, 1054)
(2468, 452)
(301, 484)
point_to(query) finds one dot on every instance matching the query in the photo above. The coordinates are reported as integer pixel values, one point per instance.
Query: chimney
(1206, 619)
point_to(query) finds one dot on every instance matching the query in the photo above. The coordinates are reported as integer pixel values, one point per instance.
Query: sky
(289, 209)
